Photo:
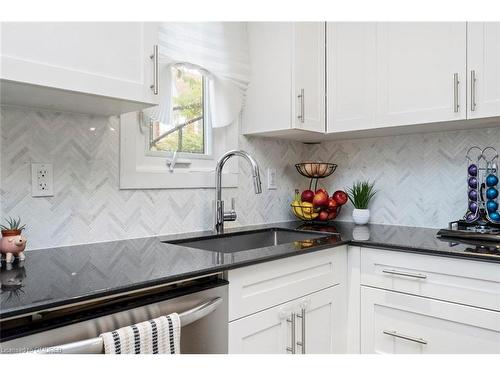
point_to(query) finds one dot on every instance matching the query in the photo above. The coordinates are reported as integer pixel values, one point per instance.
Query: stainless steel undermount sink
(248, 240)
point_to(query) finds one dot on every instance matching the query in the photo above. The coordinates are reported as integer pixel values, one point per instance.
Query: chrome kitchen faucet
(220, 214)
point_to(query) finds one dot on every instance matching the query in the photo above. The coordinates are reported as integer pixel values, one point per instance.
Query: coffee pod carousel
(482, 182)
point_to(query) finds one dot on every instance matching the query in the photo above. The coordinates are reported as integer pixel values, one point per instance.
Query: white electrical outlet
(42, 180)
(271, 179)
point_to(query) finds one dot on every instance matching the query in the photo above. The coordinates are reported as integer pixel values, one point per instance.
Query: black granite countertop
(59, 276)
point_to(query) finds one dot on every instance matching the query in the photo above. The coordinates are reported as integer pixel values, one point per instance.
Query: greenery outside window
(188, 132)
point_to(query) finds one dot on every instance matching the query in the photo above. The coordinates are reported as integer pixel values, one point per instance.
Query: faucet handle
(231, 214)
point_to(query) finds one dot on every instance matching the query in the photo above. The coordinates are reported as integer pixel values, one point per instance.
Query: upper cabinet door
(268, 105)
(109, 59)
(351, 75)
(421, 72)
(309, 75)
(483, 62)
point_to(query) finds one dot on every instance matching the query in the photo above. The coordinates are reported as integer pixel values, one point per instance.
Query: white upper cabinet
(309, 75)
(287, 88)
(483, 64)
(268, 102)
(110, 60)
(351, 80)
(383, 75)
(421, 70)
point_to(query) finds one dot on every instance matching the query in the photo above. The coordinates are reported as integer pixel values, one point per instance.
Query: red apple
(332, 205)
(320, 199)
(307, 196)
(322, 191)
(323, 216)
(340, 197)
(332, 215)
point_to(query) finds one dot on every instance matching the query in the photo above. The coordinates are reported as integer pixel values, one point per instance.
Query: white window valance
(220, 49)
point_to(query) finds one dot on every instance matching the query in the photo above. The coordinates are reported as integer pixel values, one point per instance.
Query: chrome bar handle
(456, 82)
(473, 90)
(405, 337)
(293, 321)
(302, 343)
(154, 57)
(408, 274)
(301, 117)
(96, 345)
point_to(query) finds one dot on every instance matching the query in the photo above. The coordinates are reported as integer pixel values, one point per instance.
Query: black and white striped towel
(157, 336)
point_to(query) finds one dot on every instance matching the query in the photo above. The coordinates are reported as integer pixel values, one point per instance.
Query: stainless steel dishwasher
(201, 303)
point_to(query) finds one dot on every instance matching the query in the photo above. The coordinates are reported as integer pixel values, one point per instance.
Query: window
(147, 144)
(188, 129)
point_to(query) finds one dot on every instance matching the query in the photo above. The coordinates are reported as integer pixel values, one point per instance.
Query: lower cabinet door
(319, 319)
(394, 322)
(311, 325)
(265, 332)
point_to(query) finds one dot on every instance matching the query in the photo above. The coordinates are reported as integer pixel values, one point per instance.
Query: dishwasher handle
(96, 345)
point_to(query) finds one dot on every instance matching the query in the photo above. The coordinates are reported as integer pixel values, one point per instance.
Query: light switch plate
(271, 179)
(42, 180)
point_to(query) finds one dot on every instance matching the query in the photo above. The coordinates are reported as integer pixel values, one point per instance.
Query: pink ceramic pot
(12, 244)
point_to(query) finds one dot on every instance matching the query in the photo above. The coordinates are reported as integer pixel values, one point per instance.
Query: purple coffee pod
(473, 207)
(472, 170)
(470, 217)
(473, 182)
(473, 195)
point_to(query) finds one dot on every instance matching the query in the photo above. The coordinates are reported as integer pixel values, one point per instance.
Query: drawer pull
(405, 337)
(399, 273)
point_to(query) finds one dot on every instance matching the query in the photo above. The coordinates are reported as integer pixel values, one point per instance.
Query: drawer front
(264, 285)
(457, 280)
(398, 323)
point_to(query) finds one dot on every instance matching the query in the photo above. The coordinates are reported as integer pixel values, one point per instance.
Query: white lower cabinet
(393, 322)
(309, 324)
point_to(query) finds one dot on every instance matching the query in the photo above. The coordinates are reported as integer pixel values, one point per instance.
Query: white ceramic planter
(361, 217)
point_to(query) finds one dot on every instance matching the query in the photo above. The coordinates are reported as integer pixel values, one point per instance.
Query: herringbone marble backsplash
(89, 207)
(420, 178)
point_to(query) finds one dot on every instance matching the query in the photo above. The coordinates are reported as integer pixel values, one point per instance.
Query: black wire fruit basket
(315, 170)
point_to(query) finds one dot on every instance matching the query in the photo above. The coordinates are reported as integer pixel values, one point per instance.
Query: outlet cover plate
(42, 180)
(271, 179)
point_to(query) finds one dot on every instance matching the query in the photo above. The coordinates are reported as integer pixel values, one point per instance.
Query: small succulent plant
(13, 224)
